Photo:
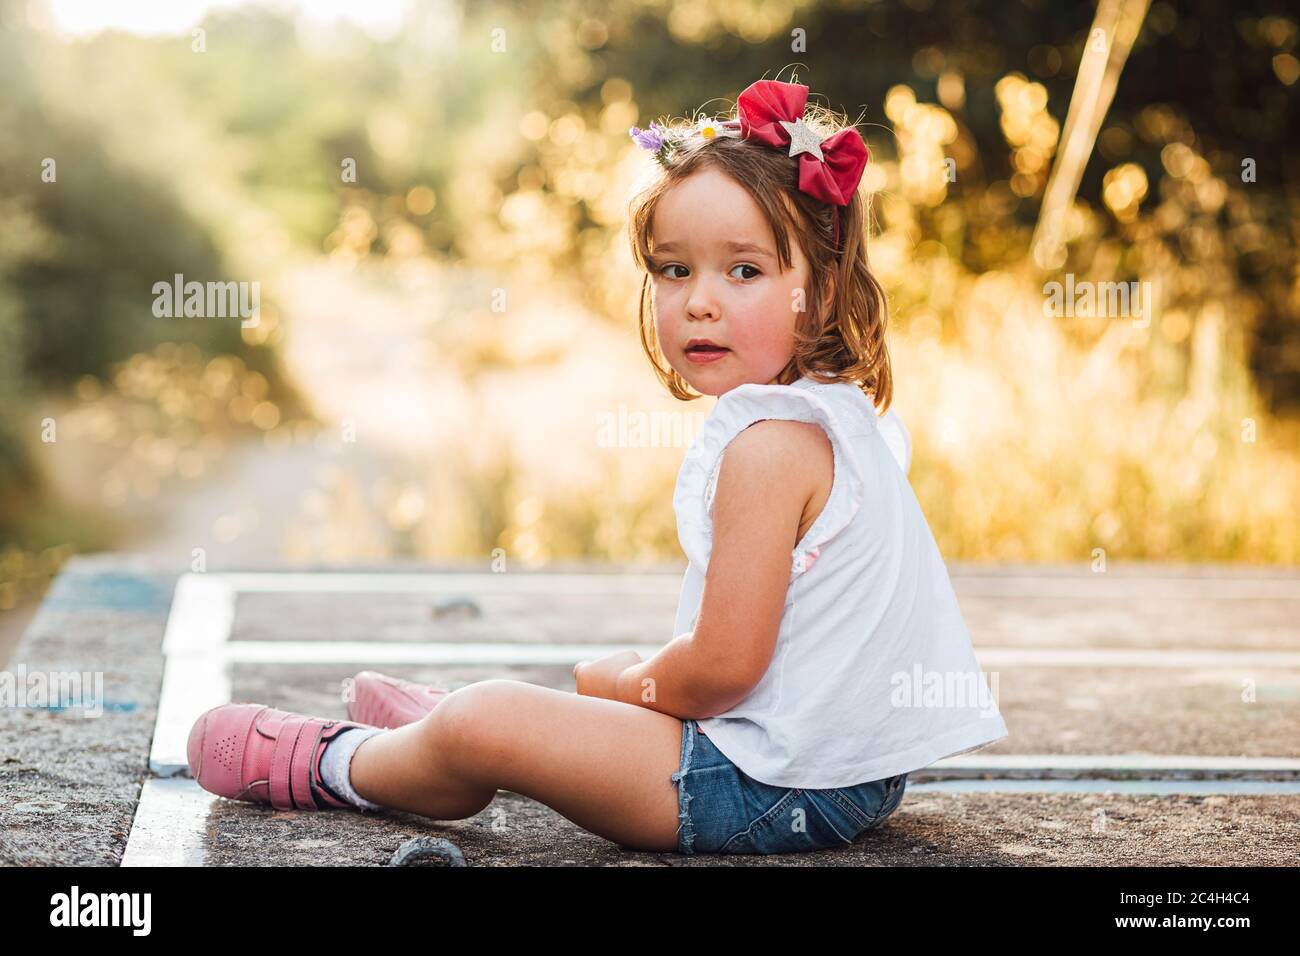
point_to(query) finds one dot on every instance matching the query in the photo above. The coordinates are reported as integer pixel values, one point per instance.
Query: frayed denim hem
(685, 829)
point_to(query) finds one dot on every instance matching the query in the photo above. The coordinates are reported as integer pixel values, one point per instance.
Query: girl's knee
(466, 719)
(471, 703)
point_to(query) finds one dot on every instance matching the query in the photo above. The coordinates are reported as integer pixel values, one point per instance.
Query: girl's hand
(599, 678)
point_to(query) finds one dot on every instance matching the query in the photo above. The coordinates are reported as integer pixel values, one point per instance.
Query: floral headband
(772, 113)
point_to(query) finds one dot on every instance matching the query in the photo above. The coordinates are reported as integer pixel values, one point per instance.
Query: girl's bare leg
(603, 764)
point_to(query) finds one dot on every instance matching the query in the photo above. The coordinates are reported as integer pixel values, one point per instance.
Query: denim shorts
(724, 810)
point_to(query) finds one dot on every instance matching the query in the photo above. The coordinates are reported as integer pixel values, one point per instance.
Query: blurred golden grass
(1036, 438)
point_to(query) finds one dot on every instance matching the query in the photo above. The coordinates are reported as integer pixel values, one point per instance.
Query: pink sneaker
(383, 701)
(258, 754)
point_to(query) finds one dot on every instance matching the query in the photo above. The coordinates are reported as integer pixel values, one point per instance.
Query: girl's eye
(675, 265)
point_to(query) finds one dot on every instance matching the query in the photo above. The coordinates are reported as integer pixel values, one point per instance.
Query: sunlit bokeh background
(446, 365)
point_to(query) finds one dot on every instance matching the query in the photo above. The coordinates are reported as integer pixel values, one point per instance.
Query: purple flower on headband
(651, 139)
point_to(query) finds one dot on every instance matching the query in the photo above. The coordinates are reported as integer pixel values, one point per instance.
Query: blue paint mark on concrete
(107, 590)
(112, 706)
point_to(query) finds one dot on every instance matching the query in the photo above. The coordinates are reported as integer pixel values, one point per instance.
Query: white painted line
(416, 652)
(457, 582)
(1071, 765)
(1163, 788)
(191, 685)
(1102, 587)
(668, 581)
(1133, 657)
(170, 825)
(1098, 586)
(202, 614)
(517, 653)
(196, 676)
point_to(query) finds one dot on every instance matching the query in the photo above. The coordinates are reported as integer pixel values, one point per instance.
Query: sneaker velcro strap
(304, 756)
(286, 742)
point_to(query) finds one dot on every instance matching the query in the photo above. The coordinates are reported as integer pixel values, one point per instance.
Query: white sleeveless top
(873, 673)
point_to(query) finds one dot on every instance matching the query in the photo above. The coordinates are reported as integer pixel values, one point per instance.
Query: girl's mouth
(704, 354)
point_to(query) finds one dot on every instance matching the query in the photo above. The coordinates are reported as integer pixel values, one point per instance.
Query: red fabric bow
(832, 179)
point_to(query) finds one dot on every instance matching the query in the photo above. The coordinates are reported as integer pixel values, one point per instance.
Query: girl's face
(719, 279)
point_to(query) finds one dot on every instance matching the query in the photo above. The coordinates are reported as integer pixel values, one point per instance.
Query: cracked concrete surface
(69, 785)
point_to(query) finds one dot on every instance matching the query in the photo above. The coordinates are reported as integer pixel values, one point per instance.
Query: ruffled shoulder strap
(897, 438)
(735, 411)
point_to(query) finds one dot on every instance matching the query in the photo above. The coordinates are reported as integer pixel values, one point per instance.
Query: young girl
(820, 654)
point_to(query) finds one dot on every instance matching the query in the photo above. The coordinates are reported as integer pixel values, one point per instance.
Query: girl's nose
(703, 302)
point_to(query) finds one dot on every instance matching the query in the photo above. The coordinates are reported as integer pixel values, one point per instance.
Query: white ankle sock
(336, 764)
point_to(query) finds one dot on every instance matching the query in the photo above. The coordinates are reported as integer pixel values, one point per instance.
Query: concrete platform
(1132, 738)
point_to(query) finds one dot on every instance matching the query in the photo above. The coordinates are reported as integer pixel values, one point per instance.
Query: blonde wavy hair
(842, 343)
